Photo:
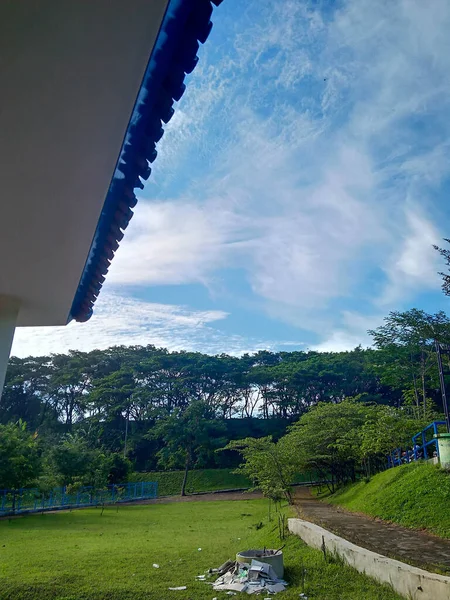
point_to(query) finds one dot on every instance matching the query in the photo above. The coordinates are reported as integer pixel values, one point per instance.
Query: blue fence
(424, 446)
(32, 500)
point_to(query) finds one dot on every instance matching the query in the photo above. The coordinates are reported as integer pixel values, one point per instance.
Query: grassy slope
(415, 495)
(204, 480)
(82, 555)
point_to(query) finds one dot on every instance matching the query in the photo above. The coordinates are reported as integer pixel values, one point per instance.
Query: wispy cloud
(306, 132)
(129, 321)
(310, 154)
(172, 243)
(413, 267)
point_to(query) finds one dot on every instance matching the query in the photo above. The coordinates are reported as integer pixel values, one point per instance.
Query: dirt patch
(207, 497)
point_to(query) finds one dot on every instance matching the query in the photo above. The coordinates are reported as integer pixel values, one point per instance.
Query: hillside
(200, 480)
(415, 495)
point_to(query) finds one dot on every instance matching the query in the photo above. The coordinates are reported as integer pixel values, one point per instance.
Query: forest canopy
(121, 405)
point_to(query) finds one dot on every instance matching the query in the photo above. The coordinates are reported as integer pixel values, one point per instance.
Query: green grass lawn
(202, 480)
(82, 555)
(415, 495)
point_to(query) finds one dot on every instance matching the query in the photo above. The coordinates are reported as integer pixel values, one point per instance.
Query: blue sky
(298, 189)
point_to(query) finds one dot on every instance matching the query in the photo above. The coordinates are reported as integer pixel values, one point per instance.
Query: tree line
(129, 404)
(335, 444)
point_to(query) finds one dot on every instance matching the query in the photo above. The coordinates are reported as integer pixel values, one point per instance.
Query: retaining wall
(410, 582)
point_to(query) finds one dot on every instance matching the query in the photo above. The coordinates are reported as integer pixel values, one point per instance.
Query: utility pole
(442, 382)
(126, 434)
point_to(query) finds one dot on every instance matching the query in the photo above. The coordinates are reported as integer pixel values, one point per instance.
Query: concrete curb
(408, 581)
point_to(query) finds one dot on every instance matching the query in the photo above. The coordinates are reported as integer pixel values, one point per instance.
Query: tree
(119, 468)
(19, 456)
(69, 385)
(19, 403)
(188, 436)
(387, 428)
(445, 253)
(399, 371)
(73, 462)
(26, 393)
(267, 464)
(112, 396)
(327, 440)
(410, 338)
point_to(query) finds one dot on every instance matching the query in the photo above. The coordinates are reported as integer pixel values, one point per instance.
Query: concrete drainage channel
(408, 581)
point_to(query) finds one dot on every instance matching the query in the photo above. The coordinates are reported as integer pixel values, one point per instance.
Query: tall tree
(188, 436)
(112, 397)
(410, 337)
(69, 385)
(26, 394)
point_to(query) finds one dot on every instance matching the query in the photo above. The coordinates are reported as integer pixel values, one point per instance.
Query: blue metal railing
(27, 500)
(418, 448)
(421, 447)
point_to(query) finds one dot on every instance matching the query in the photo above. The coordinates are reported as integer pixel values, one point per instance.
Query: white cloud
(340, 340)
(124, 320)
(171, 243)
(312, 134)
(292, 157)
(414, 265)
(302, 259)
(416, 256)
(120, 320)
(351, 333)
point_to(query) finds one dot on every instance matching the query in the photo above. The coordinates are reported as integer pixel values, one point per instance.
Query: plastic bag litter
(252, 578)
(180, 587)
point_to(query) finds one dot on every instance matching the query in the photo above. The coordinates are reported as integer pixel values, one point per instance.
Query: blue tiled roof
(185, 24)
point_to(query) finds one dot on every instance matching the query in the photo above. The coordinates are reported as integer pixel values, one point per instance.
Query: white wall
(69, 76)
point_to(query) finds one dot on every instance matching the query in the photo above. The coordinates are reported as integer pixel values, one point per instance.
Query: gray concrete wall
(410, 582)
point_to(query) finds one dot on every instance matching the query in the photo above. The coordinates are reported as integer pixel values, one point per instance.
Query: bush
(19, 458)
(119, 468)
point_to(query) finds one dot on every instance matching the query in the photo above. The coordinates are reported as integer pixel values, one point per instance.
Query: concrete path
(415, 547)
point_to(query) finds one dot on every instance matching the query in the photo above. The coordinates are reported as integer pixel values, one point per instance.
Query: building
(86, 88)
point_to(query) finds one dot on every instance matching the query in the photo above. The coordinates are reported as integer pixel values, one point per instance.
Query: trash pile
(255, 577)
